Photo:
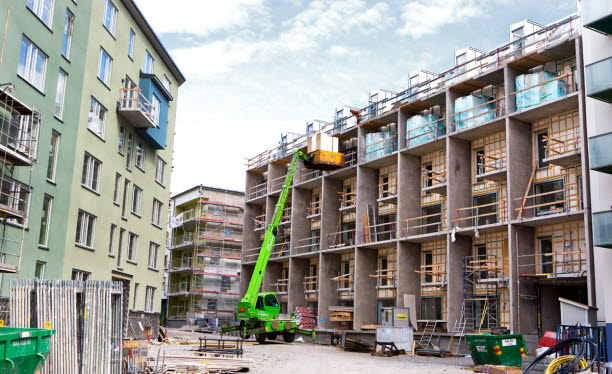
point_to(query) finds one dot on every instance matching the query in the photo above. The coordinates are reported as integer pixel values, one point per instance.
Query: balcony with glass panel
(600, 157)
(602, 229)
(597, 15)
(599, 80)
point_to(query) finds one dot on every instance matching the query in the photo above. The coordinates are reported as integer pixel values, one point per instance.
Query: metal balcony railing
(341, 238)
(258, 191)
(137, 109)
(347, 200)
(378, 233)
(425, 224)
(306, 245)
(480, 215)
(549, 203)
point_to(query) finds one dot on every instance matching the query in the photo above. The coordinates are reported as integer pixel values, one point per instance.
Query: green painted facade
(63, 255)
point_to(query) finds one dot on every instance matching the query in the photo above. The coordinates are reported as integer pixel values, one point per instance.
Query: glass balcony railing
(598, 15)
(600, 156)
(602, 229)
(599, 80)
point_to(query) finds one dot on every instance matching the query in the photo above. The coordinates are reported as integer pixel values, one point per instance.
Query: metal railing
(380, 148)
(347, 200)
(426, 224)
(277, 183)
(563, 143)
(480, 215)
(571, 263)
(341, 238)
(281, 248)
(282, 286)
(258, 191)
(133, 99)
(251, 254)
(14, 196)
(566, 78)
(485, 112)
(432, 178)
(311, 284)
(19, 134)
(378, 233)
(313, 208)
(307, 174)
(562, 204)
(350, 157)
(414, 136)
(311, 244)
(491, 163)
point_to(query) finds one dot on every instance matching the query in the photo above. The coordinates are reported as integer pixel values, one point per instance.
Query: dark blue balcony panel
(602, 229)
(155, 92)
(597, 15)
(600, 157)
(599, 80)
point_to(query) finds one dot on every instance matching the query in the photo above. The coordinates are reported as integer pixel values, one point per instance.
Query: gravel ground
(302, 358)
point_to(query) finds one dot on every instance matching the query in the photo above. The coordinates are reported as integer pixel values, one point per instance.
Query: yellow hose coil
(557, 362)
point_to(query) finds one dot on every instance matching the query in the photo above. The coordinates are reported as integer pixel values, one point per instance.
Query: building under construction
(464, 197)
(203, 258)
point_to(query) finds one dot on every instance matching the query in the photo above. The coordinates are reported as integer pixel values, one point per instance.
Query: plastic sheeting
(423, 128)
(468, 118)
(379, 144)
(541, 93)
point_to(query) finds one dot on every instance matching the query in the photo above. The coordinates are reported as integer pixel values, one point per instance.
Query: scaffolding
(205, 261)
(19, 127)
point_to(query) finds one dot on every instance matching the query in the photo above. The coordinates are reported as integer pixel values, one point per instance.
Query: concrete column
(329, 267)
(523, 310)
(246, 272)
(409, 185)
(408, 280)
(367, 194)
(401, 129)
(252, 179)
(275, 171)
(456, 251)
(459, 176)
(365, 287)
(300, 225)
(330, 205)
(298, 269)
(520, 162)
(270, 206)
(451, 96)
(510, 75)
(274, 271)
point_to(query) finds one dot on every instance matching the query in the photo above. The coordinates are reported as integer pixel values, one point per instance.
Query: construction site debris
(387, 349)
(304, 318)
(198, 364)
(357, 345)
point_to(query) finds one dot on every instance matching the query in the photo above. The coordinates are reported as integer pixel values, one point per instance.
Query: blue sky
(257, 68)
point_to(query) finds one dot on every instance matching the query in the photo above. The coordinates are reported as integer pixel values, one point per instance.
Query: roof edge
(207, 188)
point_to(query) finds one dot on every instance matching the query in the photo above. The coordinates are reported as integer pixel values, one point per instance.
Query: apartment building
(203, 256)
(462, 196)
(103, 89)
(597, 40)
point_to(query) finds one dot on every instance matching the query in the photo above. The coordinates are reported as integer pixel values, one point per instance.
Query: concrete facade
(476, 210)
(94, 231)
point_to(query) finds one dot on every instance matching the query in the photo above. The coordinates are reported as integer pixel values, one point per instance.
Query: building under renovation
(463, 197)
(203, 257)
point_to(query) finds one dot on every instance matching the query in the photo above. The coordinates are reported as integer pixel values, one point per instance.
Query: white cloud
(320, 22)
(202, 17)
(426, 17)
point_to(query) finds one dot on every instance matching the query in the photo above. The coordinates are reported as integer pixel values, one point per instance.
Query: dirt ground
(303, 358)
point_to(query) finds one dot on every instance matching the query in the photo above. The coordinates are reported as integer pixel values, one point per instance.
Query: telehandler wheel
(261, 338)
(272, 335)
(288, 337)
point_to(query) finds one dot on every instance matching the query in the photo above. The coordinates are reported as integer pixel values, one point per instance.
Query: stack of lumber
(356, 345)
(195, 364)
(305, 319)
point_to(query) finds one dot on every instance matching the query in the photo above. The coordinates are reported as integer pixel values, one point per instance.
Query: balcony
(181, 264)
(136, 109)
(424, 129)
(14, 197)
(385, 278)
(433, 275)
(434, 181)
(552, 199)
(18, 131)
(481, 215)
(342, 238)
(282, 286)
(281, 248)
(602, 229)
(427, 224)
(486, 268)
(492, 168)
(555, 264)
(313, 210)
(347, 200)
(259, 222)
(474, 111)
(387, 190)
(251, 254)
(597, 16)
(277, 183)
(308, 245)
(600, 156)
(257, 191)
(563, 149)
(378, 233)
(599, 80)
(311, 286)
(379, 144)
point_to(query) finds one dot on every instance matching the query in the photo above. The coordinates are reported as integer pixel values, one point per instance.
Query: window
(431, 308)
(156, 217)
(39, 271)
(120, 247)
(140, 154)
(104, 67)
(136, 199)
(155, 109)
(53, 150)
(149, 61)
(43, 10)
(132, 246)
(117, 190)
(91, 172)
(96, 120)
(149, 299)
(135, 299)
(428, 260)
(479, 167)
(23, 136)
(551, 199)
(68, 28)
(111, 242)
(485, 209)
(546, 255)
(121, 139)
(167, 83)
(60, 94)
(86, 224)
(80, 275)
(126, 197)
(160, 169)
(45, 220)
(110, 17)
(153, 252)
(428, 176)
(541, 148)
(128, 156)
(131, 43)
(32, 64)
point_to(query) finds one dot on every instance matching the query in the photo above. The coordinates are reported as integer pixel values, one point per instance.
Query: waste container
(23, 351)
(507, 350)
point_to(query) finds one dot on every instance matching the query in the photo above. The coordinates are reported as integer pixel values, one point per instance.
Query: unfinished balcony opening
(181, 261)
(490, 162)
(380, 144)
(426, 128)
(431, 221)
(257, 185)
(387, 185)
(344, 235)
(282, 287)
(283, 242)
(483, 110)
(19, 127)
(433, 169)
(311, 284)
(341, 315)
(312, 243)
(386, 279)
(376, 113)
(348, 195)
(276, 184)
(552, 85)
(489, 208)
(286, 215)
(486, 303)
(345, 122)
(560, 136)
(434, 280)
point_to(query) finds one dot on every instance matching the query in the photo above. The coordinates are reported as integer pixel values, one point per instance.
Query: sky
(258, 68)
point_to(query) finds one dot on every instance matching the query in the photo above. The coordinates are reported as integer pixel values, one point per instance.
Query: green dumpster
(23, 351)
(507, 350)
